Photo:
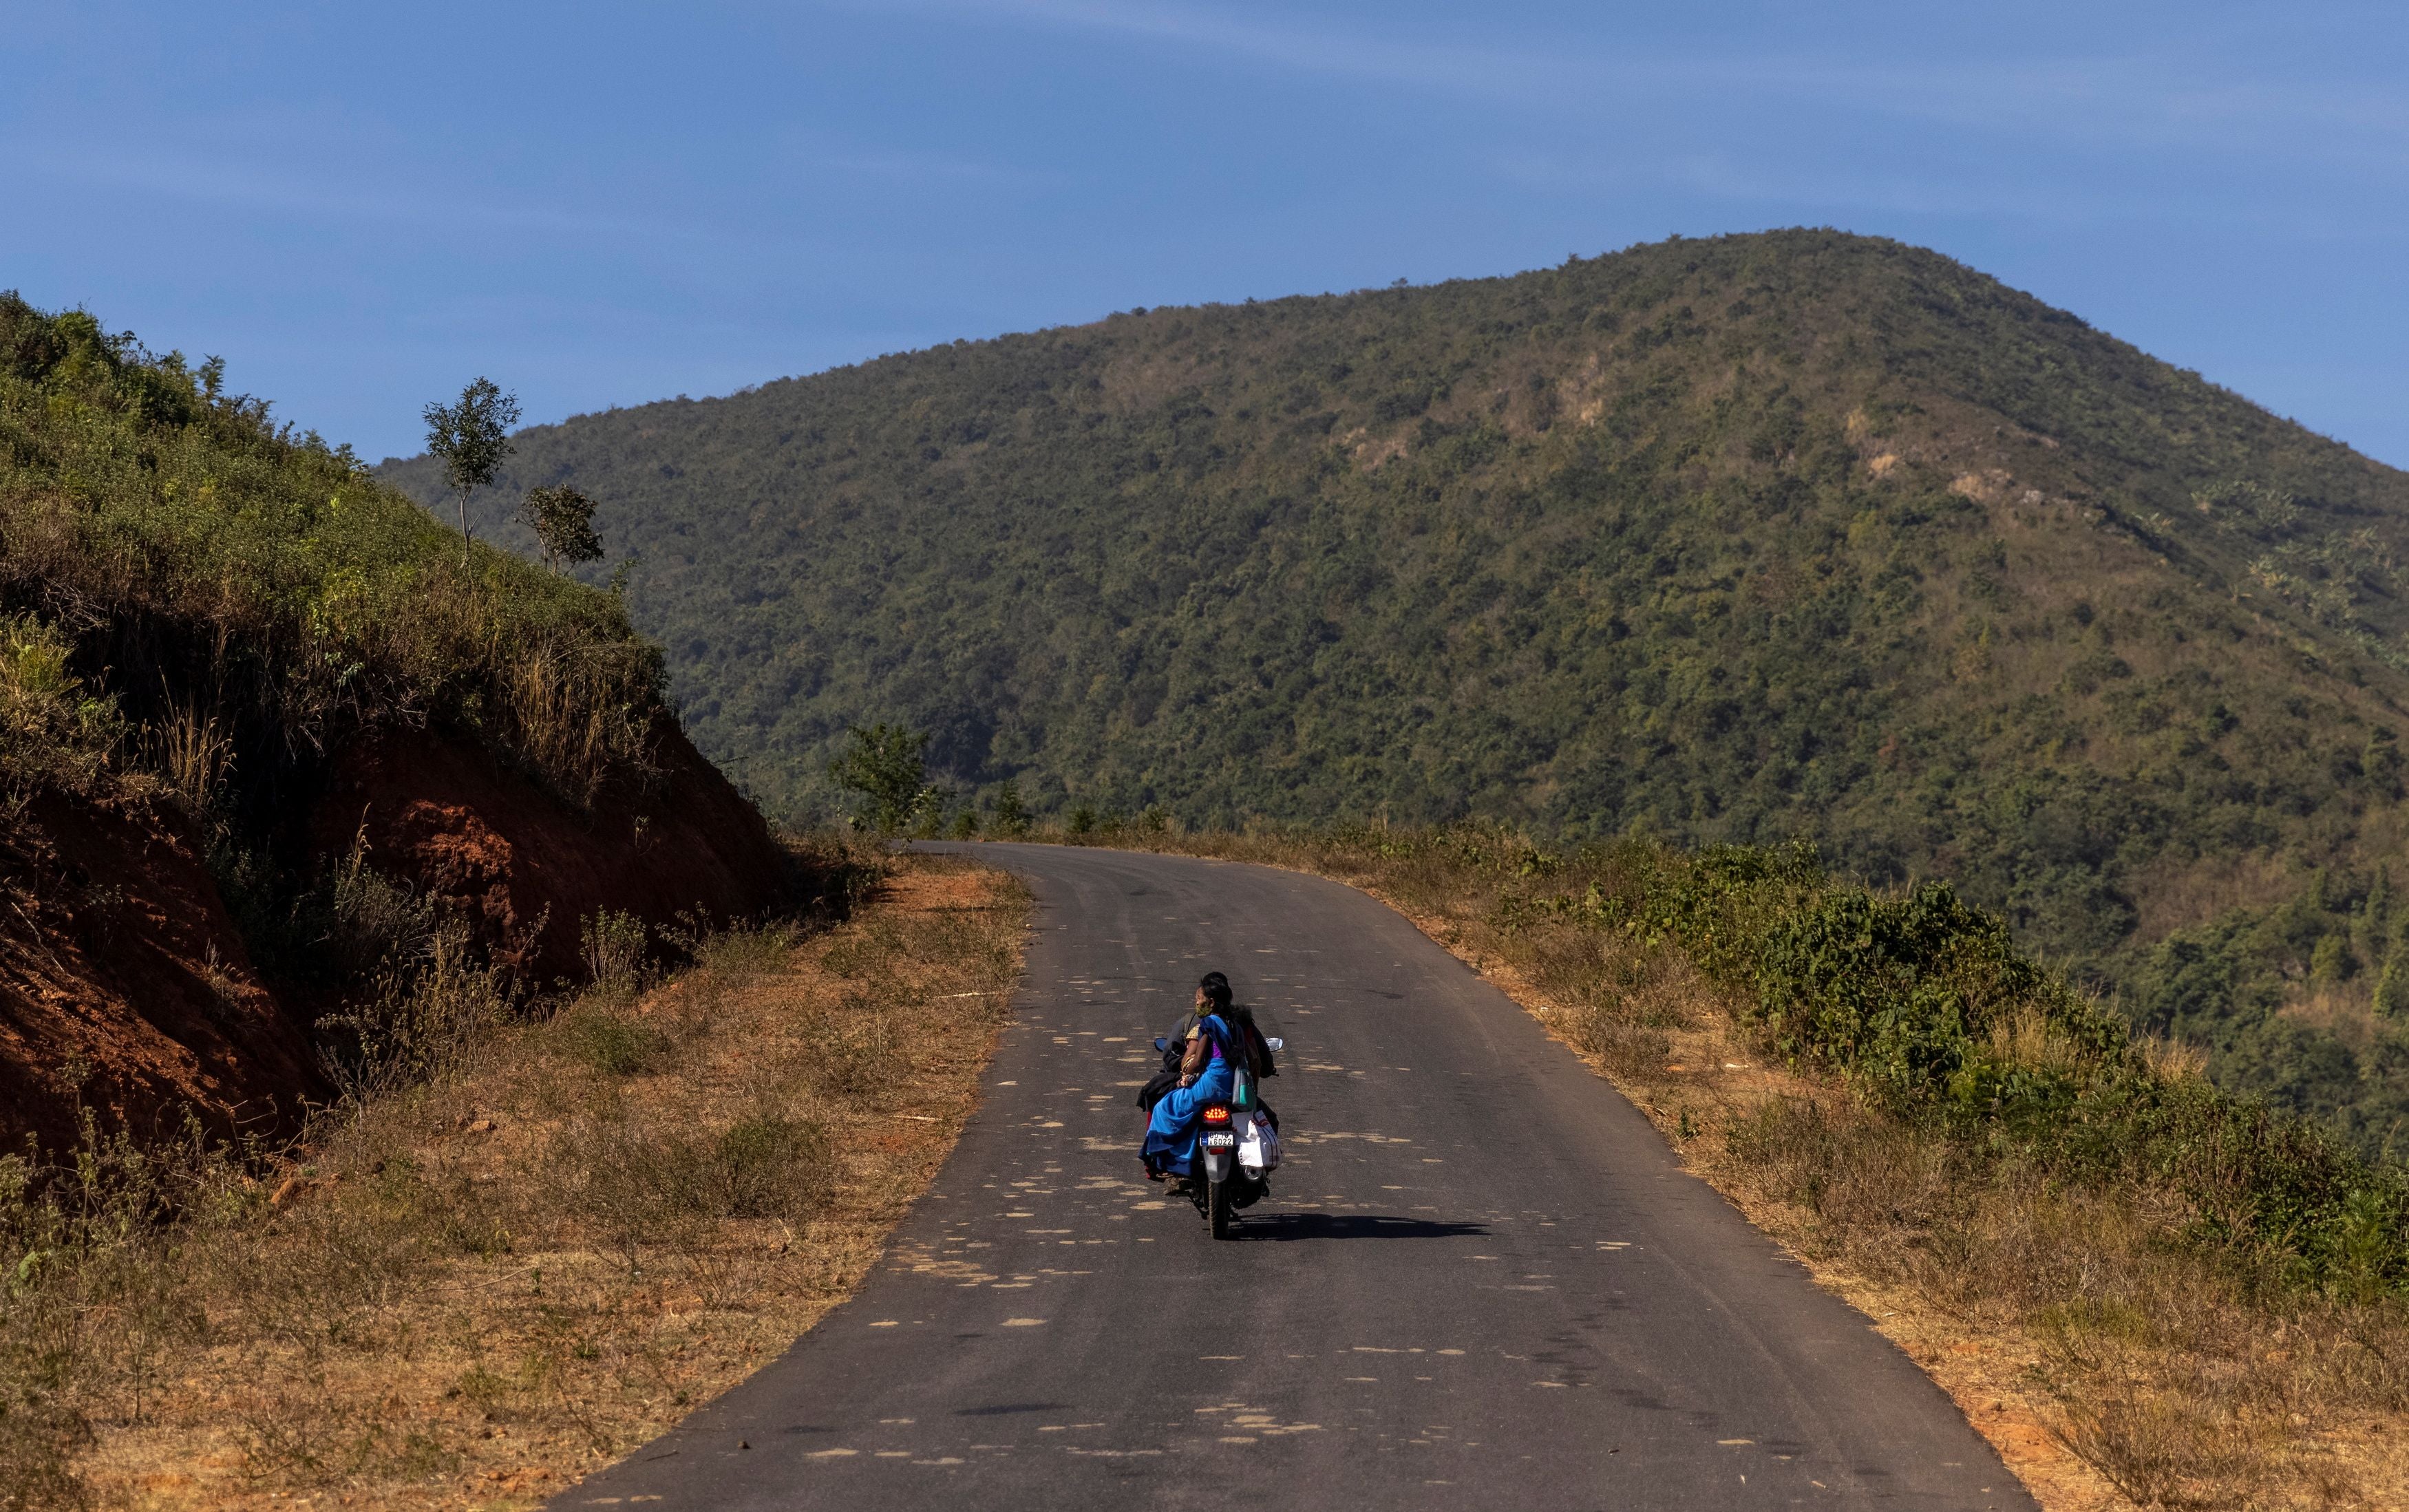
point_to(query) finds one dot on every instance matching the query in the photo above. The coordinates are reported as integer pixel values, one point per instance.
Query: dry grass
(474, 1291)
(2111, 1367)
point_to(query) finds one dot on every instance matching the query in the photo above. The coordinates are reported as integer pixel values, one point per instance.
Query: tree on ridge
(886, 765)
(471, 438)
(562, 519)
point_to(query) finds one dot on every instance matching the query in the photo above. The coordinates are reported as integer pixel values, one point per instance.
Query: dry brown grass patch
(478, 1290)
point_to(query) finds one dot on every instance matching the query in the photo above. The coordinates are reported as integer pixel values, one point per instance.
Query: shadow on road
(1351, 1226)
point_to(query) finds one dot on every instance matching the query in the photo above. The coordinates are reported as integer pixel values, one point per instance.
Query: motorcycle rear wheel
(1218, 1210)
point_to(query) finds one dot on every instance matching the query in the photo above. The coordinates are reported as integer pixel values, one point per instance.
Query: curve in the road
(1482, 1279)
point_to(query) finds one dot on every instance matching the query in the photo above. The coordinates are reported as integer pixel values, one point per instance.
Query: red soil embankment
(531, 868)
(124, 985)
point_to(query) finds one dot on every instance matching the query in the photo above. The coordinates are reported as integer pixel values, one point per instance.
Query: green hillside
(198, 600)
(1792, 534)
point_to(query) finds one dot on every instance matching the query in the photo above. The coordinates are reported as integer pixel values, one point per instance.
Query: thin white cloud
(2132, 99)
(811, 150)
(245, 186)
(1487, 72)
(1815, 193)
(226, 180)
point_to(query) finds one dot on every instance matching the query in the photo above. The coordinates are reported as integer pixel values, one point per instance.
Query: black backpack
(1258, 1049)
(1159, 1085)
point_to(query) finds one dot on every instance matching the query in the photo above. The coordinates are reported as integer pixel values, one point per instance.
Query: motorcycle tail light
(1217, 1114)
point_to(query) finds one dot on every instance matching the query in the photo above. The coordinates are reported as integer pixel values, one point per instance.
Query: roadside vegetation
(204, 616)
(518, 1224)
(194, 598)
(529, 1238)
(2146, 1290)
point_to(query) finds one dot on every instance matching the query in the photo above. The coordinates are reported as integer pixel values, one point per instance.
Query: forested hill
(1798, 533)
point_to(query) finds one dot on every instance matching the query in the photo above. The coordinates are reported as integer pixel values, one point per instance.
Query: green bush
(1009, 816)
(419, 1023)
(1929, 1012)
(1907, 994)
(883, 767)
(53, 730)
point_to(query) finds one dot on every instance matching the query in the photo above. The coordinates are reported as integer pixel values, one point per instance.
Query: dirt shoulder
(482, 1289)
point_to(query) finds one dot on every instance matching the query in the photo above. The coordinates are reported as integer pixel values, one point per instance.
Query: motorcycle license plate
(1224, 1141)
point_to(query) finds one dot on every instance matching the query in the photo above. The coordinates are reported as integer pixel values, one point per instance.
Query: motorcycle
(1237, 1148)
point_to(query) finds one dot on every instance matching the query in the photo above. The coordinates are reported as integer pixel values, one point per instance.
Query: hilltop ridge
(1791, 533)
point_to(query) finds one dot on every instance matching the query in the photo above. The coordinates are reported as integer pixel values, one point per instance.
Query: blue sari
(1171, 1132)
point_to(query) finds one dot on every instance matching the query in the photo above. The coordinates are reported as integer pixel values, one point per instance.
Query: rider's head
(1213, 990)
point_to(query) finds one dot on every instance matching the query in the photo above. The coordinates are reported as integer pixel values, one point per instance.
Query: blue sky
(361, 208)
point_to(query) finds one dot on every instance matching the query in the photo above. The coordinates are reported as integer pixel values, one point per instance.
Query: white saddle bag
(1258, 1145)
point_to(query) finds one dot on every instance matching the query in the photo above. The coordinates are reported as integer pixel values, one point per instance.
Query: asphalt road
(1480, 1281)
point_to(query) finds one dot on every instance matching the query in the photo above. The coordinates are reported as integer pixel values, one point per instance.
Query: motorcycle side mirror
(1161, 1043)
(1276, 1042)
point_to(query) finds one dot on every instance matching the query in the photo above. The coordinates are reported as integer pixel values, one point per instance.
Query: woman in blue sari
(1206, 1072)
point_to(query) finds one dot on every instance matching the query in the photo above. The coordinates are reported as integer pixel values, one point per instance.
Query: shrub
(853, 1045)
(640, 1184)
(741, 951)
(1926, 1008)
(617, 948)
(53, 731)
(768, 1166)
(613, 1041)
(885, 767)
(420, 1024)
(1009, 816)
